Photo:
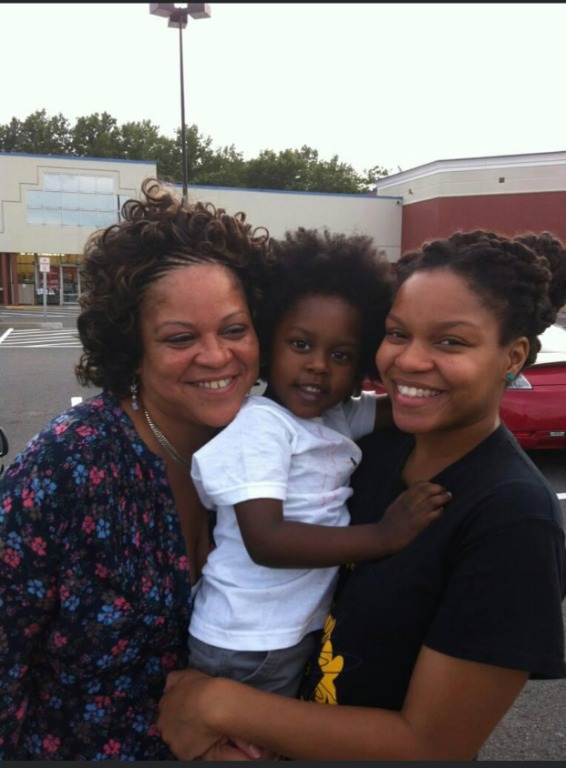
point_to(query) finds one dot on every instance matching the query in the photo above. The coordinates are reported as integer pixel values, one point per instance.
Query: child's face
(315, 355)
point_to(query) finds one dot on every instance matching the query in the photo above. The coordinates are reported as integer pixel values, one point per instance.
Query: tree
(224, 167)
(37, 134)
(99, 135)
(142, 141)
(10, 136)
(301, 170)
(271, 171)
(371, 175)
(166, 159)
(139, 140)
(333, 176)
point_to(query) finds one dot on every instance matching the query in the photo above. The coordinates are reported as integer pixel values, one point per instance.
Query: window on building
(73, 200)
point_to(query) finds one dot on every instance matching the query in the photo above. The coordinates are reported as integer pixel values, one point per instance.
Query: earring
(510, 377)
(134, 394)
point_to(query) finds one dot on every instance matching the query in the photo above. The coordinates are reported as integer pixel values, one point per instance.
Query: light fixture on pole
(178, 15)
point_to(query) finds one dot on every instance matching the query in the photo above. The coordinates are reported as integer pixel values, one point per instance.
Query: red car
(534, 406)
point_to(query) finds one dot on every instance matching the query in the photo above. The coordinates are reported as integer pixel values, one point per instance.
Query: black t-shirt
(484, 582)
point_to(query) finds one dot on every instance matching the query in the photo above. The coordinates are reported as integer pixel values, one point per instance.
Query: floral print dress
(94, 591)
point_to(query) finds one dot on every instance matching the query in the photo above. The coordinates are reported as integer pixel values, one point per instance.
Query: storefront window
(73, 200)
(26, 277)
(62, 282)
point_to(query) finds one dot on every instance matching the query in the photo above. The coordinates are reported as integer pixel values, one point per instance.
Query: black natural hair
(307, 262)
(506, 274)
(157, 233)
(549, 247)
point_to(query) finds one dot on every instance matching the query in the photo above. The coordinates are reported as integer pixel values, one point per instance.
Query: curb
(31, 326)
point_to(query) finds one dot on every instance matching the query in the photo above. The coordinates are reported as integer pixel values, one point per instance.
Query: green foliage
(96, 136)
(302, 170)
(37, 134)
(99, 135)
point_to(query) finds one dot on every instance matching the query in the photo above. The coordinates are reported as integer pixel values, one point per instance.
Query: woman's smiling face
(200, 349)
(441, 360)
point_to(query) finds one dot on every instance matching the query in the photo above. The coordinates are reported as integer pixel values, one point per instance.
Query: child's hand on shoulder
(411, 512)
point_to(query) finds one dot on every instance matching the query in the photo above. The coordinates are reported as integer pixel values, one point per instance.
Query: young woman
(278, 475)
(424, 652)
(101, 530)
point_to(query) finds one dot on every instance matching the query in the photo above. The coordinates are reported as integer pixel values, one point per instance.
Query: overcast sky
(396, 85)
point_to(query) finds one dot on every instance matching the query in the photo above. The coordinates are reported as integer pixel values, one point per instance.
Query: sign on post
(44, 267)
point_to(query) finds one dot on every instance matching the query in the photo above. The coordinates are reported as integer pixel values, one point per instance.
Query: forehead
(440, 296)
(316, 303)
(442, 285)
(192, 282)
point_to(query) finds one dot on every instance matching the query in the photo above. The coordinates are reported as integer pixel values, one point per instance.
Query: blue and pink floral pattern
(94, 591)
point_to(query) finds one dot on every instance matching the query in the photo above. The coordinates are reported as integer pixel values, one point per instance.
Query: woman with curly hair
(278, 474)
(102, 533)
(423, 652)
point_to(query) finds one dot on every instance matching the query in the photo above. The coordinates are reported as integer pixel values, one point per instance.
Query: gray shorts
(278, 671)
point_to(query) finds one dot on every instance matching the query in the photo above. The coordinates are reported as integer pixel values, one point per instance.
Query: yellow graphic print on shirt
(330, 666)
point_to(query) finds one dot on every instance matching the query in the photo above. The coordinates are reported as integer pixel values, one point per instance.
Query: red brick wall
(507, 214)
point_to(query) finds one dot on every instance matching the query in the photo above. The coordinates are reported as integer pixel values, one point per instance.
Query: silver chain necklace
(171, 450)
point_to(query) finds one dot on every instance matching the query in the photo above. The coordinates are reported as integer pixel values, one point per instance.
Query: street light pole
(183, 124)
(178, 16)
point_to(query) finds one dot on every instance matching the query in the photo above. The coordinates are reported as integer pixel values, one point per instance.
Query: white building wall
(502, 174)
(19, 173)
(377, 217)
(278, 211)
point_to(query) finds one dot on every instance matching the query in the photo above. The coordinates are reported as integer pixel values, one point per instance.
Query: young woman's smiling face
(315, 355)
(441, 360)
(201, 352)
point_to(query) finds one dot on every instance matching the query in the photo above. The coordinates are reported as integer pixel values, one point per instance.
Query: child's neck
(269, 393)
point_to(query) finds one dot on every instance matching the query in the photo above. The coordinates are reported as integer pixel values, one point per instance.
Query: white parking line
(561, 496)
(35, 338)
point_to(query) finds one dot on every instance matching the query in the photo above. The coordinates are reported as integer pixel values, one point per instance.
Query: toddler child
(278, 476)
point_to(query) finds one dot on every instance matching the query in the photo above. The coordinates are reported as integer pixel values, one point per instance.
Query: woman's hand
(227, 749)
(189, 694)
(181, 728)
(236, 750)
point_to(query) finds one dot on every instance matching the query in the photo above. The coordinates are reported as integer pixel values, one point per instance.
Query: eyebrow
(224, 319)
(445, 325)
(304, 332)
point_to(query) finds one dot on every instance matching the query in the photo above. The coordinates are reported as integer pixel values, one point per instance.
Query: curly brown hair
(508, 276)
(157, 233)
(307, 262)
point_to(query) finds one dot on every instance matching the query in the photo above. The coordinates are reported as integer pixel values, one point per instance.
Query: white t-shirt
(267, 452)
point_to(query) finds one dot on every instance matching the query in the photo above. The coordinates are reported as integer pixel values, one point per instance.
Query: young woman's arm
(273, 541)
(451, 708)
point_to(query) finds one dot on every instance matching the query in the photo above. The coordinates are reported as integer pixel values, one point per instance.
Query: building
(508, 194)
(49, 205)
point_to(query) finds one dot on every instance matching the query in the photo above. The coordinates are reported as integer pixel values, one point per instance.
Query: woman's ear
(518, 352)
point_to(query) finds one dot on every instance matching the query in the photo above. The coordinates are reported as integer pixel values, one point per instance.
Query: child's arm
(278, 543)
